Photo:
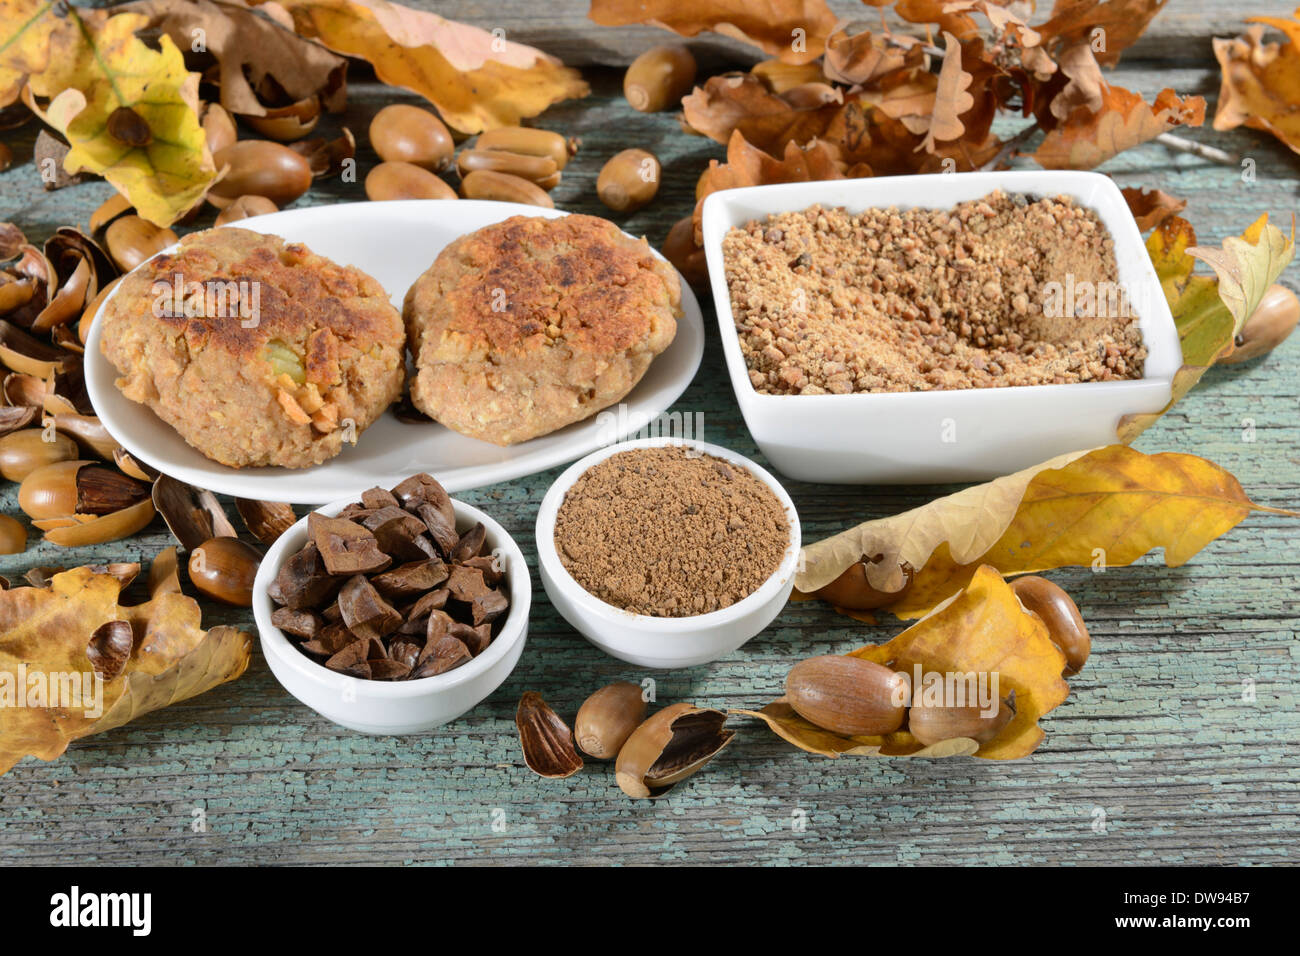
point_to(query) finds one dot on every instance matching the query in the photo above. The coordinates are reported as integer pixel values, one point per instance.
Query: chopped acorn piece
(351, 660)
(377, 498)
(493, 573)
(425, 489)
(470, 544)
(476, 638)
(406, 653)
(388, 669)
(441, 528)
(304, 624)
(345, 546)
(439, 624)
(466, 584)
(410, 579)
(396, 531)
(486, 608)
(304, 581)
(364, 610)
(442, 655)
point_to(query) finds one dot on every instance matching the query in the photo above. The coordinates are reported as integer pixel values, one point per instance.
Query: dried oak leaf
(747, 165)
(1209, 312)
(1261, 81)
(1087, 138)
(476, 80)
(794, 31)
(103, 70)
(951, 98)
(49, 630)
(864, 57)
(1052, 515)
(253, 52)
(1110, 27)
(983, 630)
(743, 102)
(1152, 207)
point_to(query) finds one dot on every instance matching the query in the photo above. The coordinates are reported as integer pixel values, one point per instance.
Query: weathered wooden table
(1158, 756)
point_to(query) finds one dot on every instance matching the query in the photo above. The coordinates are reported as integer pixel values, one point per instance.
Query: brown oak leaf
(1088, 138)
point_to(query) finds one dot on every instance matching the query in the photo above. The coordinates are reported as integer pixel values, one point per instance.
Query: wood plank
(1156, 732)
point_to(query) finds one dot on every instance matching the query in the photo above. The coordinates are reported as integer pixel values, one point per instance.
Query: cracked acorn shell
(668, 747)
(84, 502)
(546, 739)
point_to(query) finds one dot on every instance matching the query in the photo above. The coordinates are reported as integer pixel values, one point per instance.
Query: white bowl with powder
(961, 434)
(662, 642)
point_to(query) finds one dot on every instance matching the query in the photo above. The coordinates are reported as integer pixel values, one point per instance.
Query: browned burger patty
(530, 324)
(280, 358)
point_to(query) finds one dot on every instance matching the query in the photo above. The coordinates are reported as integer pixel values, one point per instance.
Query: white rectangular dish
(942, 435)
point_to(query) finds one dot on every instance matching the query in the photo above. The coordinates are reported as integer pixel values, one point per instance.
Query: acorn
(659, 78)
(23, 451)
(408, 134)
(245, 207)
(931, 724)
(13, 536)
(1273, 320)
(224, 569)
(530, 142)
(1060, 614)
(848, 695)
(131, 240)
(402, 180)
(607, 718)
(259, 167)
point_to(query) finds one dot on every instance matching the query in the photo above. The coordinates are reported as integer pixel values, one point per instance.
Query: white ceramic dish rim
(548, 557)
(233, 481)
(521, 591)
(1164, 351)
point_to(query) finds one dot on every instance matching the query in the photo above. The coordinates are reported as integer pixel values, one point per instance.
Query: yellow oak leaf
(984, 632)
(1111, 504)
(129, 114)
(477, 79)
(1209, 312)
(26, 30)
(46, 642)
(1248, 265)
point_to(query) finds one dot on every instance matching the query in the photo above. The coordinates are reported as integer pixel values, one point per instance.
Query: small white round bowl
(661, 642)
(395, 707)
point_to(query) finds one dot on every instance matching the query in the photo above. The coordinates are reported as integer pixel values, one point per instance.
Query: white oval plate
(394, 242)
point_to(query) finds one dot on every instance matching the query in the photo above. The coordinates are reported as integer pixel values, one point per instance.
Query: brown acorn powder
(670, 532)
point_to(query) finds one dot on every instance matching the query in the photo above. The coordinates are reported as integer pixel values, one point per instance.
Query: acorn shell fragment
(668, 747)
(547, 740)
